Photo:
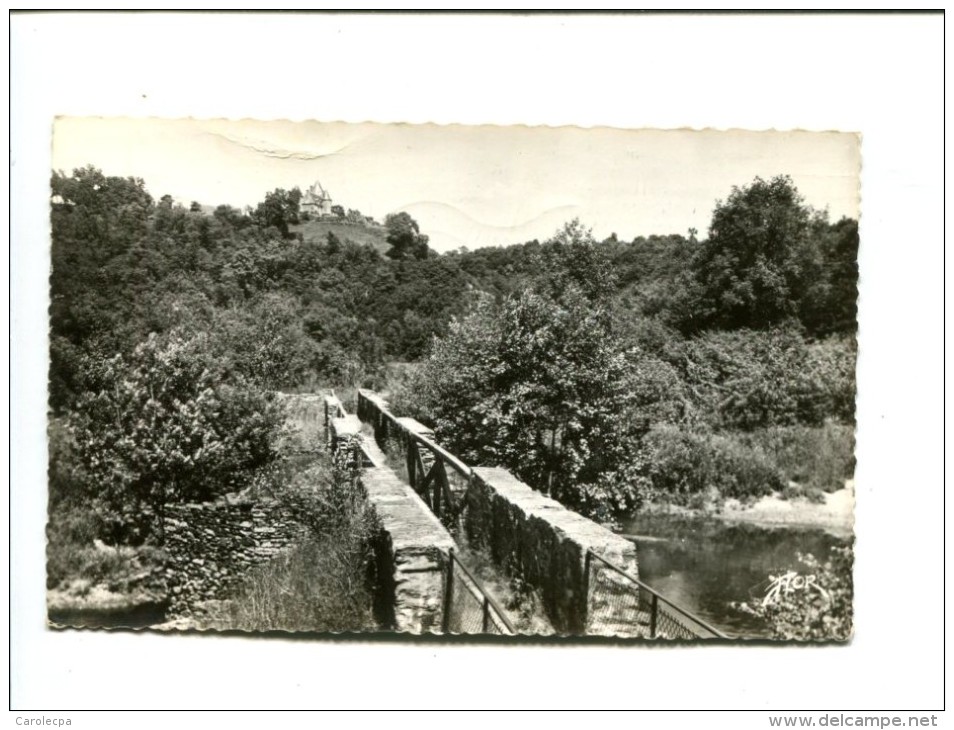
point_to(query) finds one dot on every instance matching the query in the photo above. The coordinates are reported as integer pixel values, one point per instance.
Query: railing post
(436, 487)
(411, 464)
(448, 592)
(586, 589)
(653, 612)
(486, 614)
(327, 426)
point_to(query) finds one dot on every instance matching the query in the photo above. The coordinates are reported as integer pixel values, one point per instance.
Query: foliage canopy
(538, 383)
(166, 423)
(770, 258)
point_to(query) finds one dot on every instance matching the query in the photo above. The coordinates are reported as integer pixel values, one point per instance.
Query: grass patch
(318, 230)
(322, 583)
(77, 561)
(319, 585)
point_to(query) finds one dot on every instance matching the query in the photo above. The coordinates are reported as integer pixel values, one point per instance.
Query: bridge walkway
(523, 609)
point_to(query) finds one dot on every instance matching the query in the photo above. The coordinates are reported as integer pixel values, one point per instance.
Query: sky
(470, 186)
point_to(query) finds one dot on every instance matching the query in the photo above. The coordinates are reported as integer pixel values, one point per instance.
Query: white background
(878, 75)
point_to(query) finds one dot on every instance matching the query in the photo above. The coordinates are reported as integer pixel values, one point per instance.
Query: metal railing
(468, 608)
(619, 599)
(435, 474)
(434, 483)
(617, 603)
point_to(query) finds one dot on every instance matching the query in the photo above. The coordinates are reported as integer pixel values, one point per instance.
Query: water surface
(133, 617)
(704, 564)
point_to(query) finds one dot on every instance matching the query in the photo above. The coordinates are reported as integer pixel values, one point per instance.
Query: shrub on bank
(746, 380)
(688, 468)
(166, 423)
(821, 611)
(818, 458)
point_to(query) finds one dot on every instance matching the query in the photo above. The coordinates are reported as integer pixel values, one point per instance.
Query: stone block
(535, 537)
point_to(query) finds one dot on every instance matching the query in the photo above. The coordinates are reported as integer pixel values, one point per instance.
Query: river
(133, 617)
(704, 563)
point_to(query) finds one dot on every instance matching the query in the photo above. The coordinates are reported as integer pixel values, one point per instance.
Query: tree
(266, 342)
(279, 210)
(573, 260)
(168, 423)
(405, 238)
(96, 222)
(538, 383)
(538, 386)
(229, 216)
(759, 260)
(832, 305)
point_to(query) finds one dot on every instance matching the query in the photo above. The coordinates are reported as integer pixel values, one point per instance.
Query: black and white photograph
(506, 360)
(447, 379)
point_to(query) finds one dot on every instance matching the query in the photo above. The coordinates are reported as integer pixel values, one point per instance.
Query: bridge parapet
(411, 547)
(333, 409)
(411, 554)
(537, 538)
(530, 535)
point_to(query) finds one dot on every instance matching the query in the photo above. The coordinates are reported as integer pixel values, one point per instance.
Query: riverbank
(835, 514)
(104, 585)
(80, 604)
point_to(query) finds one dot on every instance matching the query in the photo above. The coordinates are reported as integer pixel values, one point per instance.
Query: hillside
(728, 360)
(317, 231)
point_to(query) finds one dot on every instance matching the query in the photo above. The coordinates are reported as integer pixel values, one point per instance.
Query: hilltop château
(316, 201)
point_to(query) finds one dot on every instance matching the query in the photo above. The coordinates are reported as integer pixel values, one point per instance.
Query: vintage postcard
(453, 380)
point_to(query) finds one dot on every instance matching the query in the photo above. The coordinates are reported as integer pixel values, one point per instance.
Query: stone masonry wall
(411, 554)
(535, 537)
(411, 546)
(212, 546)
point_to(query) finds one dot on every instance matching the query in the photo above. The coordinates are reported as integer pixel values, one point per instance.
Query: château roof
(316, 194)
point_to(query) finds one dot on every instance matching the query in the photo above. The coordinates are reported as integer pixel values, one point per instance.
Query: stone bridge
(526, 534)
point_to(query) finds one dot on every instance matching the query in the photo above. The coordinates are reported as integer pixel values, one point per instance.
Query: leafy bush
(658, 394)
(166, 423)
(78, 517)
(820, 458)
(830, 363)
(747, 379)
(690, 468)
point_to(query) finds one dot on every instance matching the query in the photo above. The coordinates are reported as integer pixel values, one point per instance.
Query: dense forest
(671, 369)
